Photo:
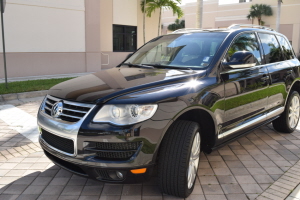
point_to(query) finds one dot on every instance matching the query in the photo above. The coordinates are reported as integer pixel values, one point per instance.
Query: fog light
(119, 175)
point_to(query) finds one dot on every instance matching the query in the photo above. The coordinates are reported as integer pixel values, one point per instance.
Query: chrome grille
(72, 111)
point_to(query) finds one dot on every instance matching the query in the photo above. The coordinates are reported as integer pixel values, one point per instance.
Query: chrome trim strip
(71, 116)
(78, 104)
(253, 122)
(71, 103)
(274, 113)
(47, 102)
(47, 108)
(84, 112)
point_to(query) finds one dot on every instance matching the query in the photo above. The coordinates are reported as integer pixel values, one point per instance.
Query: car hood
(107, 84)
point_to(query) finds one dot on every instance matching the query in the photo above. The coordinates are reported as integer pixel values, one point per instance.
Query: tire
(288, 120)
(174, 159)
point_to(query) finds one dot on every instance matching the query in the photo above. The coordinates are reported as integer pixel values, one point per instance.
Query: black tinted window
(271, 48)
(245, 42)
(286, 48)
(124, 38)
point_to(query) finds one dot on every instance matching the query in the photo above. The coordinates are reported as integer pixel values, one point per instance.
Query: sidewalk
(2, 80)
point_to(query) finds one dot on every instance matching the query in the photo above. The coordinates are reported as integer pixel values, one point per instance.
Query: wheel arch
(206, 122)
(294, 87)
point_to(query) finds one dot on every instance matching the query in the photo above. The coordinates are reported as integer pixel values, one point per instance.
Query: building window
(124, 38)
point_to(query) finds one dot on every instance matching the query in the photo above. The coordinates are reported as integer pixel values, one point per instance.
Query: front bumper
(86, 163)
(86, 169)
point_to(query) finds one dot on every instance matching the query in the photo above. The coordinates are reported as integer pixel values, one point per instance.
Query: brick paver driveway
(241, 170)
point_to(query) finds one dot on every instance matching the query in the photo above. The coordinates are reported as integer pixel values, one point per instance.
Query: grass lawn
(31, 85)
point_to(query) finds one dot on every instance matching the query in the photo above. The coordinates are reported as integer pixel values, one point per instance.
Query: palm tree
(258, 10)
(199, 13)
(152, 5)
(278, 15)
(177, 25)
(144, 22)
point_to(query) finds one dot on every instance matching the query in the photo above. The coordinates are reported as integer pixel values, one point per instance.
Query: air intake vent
(60, 143)
(116, 151)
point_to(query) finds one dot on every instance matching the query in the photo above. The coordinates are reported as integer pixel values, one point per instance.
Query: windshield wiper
(168, 66)
(140, 66)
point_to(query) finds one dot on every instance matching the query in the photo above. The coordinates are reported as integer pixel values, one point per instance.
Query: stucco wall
(44, 26)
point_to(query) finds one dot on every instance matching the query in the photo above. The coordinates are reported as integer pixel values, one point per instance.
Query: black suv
(178, 94)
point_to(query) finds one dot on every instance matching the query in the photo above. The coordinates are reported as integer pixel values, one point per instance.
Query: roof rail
(237, 26)
(187, 29)
(194, 29)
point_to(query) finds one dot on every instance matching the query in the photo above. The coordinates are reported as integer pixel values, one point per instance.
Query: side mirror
(129, 55)
(241, 59)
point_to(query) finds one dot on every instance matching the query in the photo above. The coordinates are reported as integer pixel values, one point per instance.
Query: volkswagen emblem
(57, 109)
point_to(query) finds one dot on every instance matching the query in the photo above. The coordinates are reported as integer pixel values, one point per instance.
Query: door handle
(289, 71)
(265, 78)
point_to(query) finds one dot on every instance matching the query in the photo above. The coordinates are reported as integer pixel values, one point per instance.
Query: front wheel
(179, 158)
(289, 119)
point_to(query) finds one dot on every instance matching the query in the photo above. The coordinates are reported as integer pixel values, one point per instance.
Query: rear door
(245, 89)
(279, 68)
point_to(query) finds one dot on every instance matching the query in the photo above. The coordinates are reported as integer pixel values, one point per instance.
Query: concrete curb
(23, 95)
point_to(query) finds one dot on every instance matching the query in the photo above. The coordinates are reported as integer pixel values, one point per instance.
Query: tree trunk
(159, 21)
(278, 16)
(199, 13)
(259, 20)
(144, 21)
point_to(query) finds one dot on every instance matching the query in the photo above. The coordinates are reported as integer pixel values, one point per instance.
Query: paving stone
(205, 172)
(27, 196)
(62, 197)
(34, 189)
(59, 181)
(88, 198)
(117, 189)
(236, 196)
(226, 179)
(72, 190)
(239, 171)
(263, 178)
(264, 186)
(245, 179)
(8, 197)
(251, 188)
(91, 190)
(222, 171)
(191, 197)
(206, 180)
(52, 190)
(214, 197)
(114, 197)
(212, 189)
(15, 189)
(42, 181)
(257, 171)
(231, 188)
(271, 196)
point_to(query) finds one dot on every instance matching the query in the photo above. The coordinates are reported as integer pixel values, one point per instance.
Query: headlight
(125, 114)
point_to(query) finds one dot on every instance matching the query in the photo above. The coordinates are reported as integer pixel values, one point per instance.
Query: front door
(245, 89)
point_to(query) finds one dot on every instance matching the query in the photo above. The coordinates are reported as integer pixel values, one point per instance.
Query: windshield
(192, 50)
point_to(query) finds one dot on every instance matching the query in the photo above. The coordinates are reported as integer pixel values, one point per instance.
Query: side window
(245, 42)
(287, 50)
(271, 48)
